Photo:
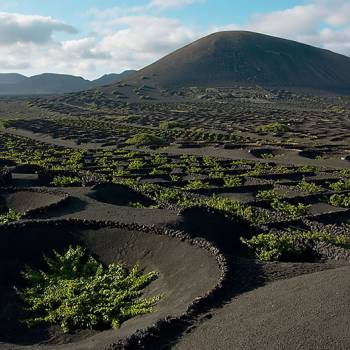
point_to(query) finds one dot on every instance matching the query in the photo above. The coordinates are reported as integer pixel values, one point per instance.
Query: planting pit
(188, 272)
(118, 195)
(27, 201)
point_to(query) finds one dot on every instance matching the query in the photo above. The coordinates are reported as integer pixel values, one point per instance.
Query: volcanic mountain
(247, 58)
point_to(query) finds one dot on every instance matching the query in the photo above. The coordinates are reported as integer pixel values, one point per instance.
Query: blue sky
(91, 38)
(218, 12)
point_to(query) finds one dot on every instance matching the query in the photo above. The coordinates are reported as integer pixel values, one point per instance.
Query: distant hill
(11, 78)
(247, 58)
(48, 83)
(112, 78)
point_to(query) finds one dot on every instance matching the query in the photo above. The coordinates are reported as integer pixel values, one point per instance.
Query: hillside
(111, 78)
(48, 83)
(11, 78)
(246, 58)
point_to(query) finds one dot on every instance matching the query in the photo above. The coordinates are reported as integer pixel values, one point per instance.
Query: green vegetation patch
(340, 200)
(10, 216)
(146, 139)
(273, 128)
(64, 181)
(290, 244)
(168, 124)
(77, 292)
(196, 185)
(293, 210)
(310, 187)
(268, 195)
(340, 185)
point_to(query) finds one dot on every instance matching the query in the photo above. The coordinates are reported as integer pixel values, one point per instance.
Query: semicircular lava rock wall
(190, 271)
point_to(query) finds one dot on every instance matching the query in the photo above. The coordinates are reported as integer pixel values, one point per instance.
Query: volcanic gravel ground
(305, 312)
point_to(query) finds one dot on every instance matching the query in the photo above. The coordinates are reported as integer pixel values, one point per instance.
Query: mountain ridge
(52, 83)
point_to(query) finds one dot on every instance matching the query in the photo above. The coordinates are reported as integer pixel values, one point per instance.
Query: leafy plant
(175, 177)
(259, 169)
(340, 200)
(310, 187)
(306, 169)
(145, 139)
(214, 174)
(168, 124)
(76, 291)
(136, 164)
(196, 185)
(266, 156)
(232, 181)
(344, 172)
(267, 195)
(157, 171)
(10, 216)
(273, 127)
(282, 170)
(290, 209)
(62, 181)
(340, 185)
(159, 159)
(120, 172)
(290, 244)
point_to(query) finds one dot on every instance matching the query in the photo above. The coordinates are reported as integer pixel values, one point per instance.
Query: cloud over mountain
(130, 37)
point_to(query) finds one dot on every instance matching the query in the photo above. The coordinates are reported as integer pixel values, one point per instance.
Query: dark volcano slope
(246, 58)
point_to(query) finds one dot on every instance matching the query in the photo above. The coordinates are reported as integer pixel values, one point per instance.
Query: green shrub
(282, 170)
(340, 185)
(232, 181)
(273, 127)
(308, 187)
(340, 200)
(290, 244)
(168, 124)
(290, 209)
(5, 124)
(266, 156)
(259, 169)
(136, 164)
(196, 185)
(229, 206)
(267, 195)
(145, 139)
(157, 171)
(120, 173)
(10, 216)
(63, 181)
(76, 291)
(216, 174)
(172, 195)
(344, 172)
(159, 159)
(175, 177)
(270, 246)
(306, 169)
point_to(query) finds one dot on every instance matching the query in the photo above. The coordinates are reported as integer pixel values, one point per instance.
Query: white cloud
(143, 39)
(165, 4)
(294, 21)
(324, 23)
(12, 65)
(17, 28)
